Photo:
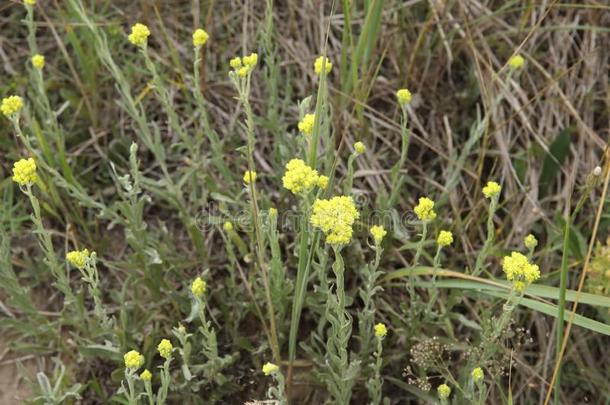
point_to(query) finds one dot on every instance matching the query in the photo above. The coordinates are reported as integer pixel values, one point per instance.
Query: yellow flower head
(299, 177)
(243, 71)
(378, 233)
(359, 147)
(443, 391)
(520, 271)
(322, 61)
(227, 226)
(165, 348)
(133, 360)
(306, 124)
(273, 212)
(78, 258)
(250, 61)
(38, 61)
(243, 66)
(477, 374)
(404, 96)
(146, 375)
(30, 2)
(492, 189)
(530, 241)
(24, 172)
(425, 209)
(235, 62)
(445, 238)
(323, 181)
(249, 176)
(270, 368)
(516, 61)
(335, 218)
(198, 287)
(11, 105)
(200, 37)
(381, 330)
(139, 34)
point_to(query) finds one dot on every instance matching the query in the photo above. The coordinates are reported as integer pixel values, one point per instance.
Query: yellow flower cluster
(243, 66)
(146, 375)
(335, 218)
(249, 176)
(445, 238)
(227, 226)
(11, 105)
(78, 258)
(38, 61)
(139, 34)
(425, 209)
(200, 37)
(378, 233)
(320, 63)
(198, 287)
(404, 96)
(323, 181)
(443, 391)
(381, 330)
(165, 348)
(359, 147)
(520, 271)
(24, 172)
(30, 2)
(516, 61)
(306, 124)
(300, 177)
(491, 189)
(530, 241)
(270, 368)
(477, 374)
(133, 360)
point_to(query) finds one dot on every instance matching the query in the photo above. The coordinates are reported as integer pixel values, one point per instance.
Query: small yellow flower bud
(11, 105)
(306, 124)
(425, 209)
(198, 287)
(378, 233)
(516, 61)
(133, 360)
(477, 374)
(404, 96)
(359, 147)
(78, 258)
(200, 37)
(530, 241)
(146, 375)
(165, 348)
(38, 61)
(270, 368)
(444, 391)
(322, 63)
(139, 34)
(381, 330)
(491, 189)
(445, 238)
(249, 176)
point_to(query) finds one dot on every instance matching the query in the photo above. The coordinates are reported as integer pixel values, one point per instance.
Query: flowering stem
(131, 392)
(259, 248)
(434, 290)
(165, 381)
(217, 155)
(420, 248)
(490, 236)
(396, 179)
